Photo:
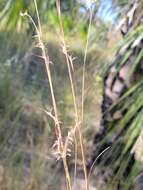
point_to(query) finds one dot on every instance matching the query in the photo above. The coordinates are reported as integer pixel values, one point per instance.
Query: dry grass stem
(60, 144)
(69, 62)
(84, 63)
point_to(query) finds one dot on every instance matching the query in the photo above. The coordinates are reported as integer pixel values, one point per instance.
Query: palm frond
(125, 131)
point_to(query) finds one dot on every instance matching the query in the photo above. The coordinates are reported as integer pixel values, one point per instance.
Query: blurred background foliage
(26, 133)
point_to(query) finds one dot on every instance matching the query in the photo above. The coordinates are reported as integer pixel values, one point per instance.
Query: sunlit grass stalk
(69, 62)
(45, 57)
(84, 63)
(83, 72)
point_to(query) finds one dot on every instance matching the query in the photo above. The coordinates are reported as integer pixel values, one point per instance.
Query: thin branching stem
(77, 120)
(57, 123)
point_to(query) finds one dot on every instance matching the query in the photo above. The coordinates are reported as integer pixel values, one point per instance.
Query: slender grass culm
(69, 62)
(60, 144)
